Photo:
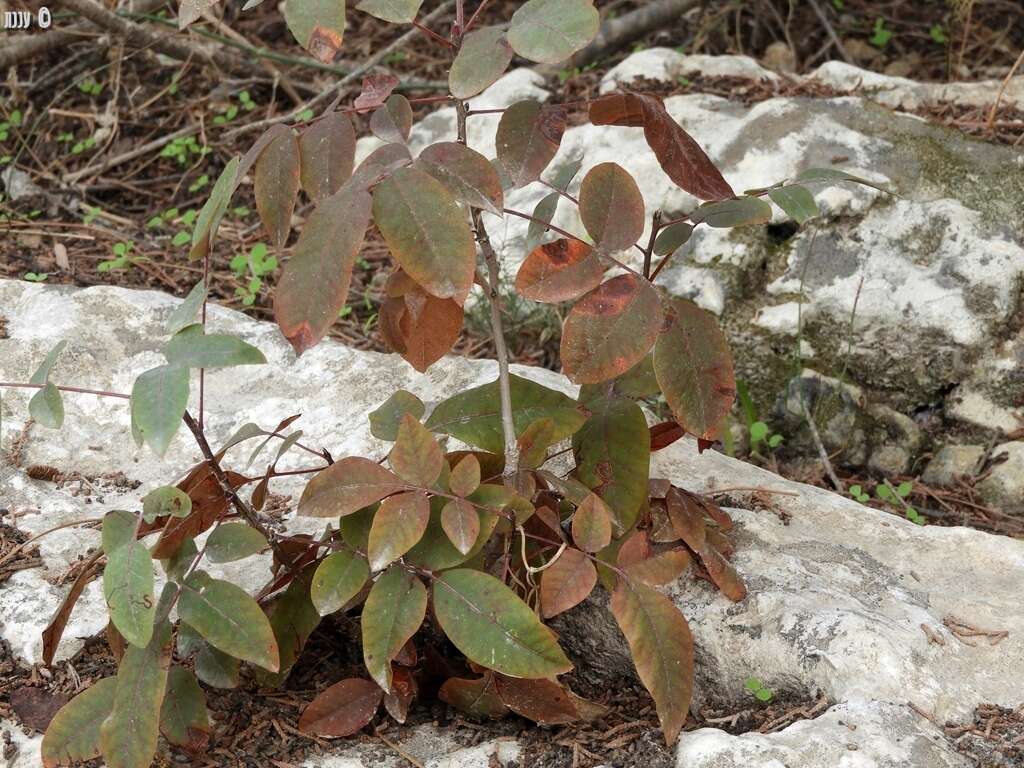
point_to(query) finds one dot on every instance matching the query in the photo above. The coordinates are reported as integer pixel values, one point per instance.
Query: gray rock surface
(1004, 486)
(951, 462)
(838, 592)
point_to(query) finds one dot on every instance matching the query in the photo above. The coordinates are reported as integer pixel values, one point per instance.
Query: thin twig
(822, 453)
(831, 32)
(1002, 89)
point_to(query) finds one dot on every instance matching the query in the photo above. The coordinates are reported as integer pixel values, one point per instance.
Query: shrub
(494, 538)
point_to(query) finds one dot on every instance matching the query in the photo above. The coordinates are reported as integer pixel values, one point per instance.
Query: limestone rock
(1004, 486)
(951, 462)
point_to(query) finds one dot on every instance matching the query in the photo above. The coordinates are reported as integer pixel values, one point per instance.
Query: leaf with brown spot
(427, 232)
(467, 174)
(544, 701)
(566, 583)
(562, 270)
(403, 691)
(416, 457)
(592, 524)
(474, 697)
(276, 186)
(315, 283)
(347, 486)
(694, 367)
(611, 207)
(610, 329)
(664, 434)
(679, 155)
(343, 709)
(318, 26)
(327, 151)
(662, 649)
(392, 122)
(398, 525)
(527, 139)
(534, 441)
(461, 523)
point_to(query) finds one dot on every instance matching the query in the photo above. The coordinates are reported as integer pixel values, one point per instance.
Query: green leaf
(435, 551)
(467, 174)
(610, 329)
(73, 734)
(293, 617)
(735, 212)
(315, 283)
(493, 627)
(42, 374)
(393, 612)
(234, 541)
(478, 698)
(834, 174)
(483, 58)
(47, 407)
(213, 667)
(763, 695)
(165, 501)
(694, 369)
(392, 122)
(128, 588)
(753, 684)
(398, 525)
(185, 313)
(611, 207)
(903, 489)
(416, 457)
(541, 217)
(461, 524)
(427, 232)
(327, 151)
(672, 237)
(662, 648)
(883, 492)
(527, 139)
(209, 217)
(129, 736)
(474, 416)
(318, 26)
(229, 620)
(184, 720)
(347, 486)
(796, 201)
(550, 31)
(395, 11)
(758, 431)
(337, 580)
(191, 347)
(158, 402)
(613, 457)
(276, 185)
(384, 421)
(562, 270)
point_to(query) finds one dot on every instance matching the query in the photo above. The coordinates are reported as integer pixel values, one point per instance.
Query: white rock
(1004, 485)
(667, 65)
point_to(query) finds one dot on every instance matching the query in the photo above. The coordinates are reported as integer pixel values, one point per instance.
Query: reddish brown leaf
(397, 526)
(533, 443)
(35, 707)
(465, 476)
(403, 691)
(610, 329)
(55, 629)
(327, 151)
(566, 583)
(664, 434)
(209, 503)
(461, 524)
(392, 122)
(315, 283)
(474, 697)
(686, 513)
(347, 486)
(723, 574)
(635, 549)
(592, 524)
(660, 569)
(416, 456)
(276, 186)
(466, 173)
(420, 327)
(562, 270)
(376, 89)
(678, 154)
(693, 365)
(543, 701)
(343, 709)
(380, 164)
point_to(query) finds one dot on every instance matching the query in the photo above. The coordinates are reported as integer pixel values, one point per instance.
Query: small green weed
(938, 34)
(760, 433)
(880, 36)
(760, 691)
(259, 265)
(183, 148)
(36, 277)
(123, 258)
(90, 87)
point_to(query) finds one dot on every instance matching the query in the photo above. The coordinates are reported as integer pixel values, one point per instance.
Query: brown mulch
(994, 739)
